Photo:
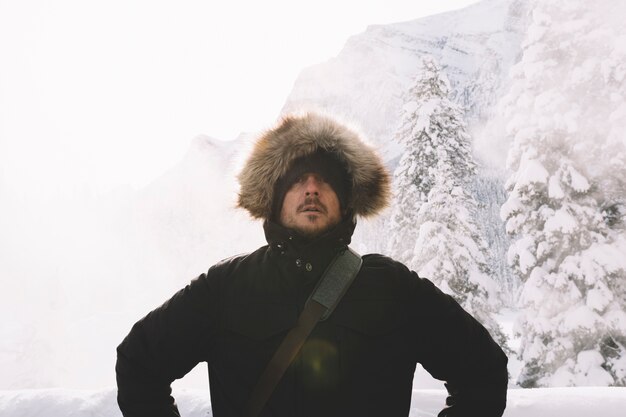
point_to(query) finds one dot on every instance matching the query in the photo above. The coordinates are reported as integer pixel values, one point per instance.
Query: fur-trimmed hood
(296, 136)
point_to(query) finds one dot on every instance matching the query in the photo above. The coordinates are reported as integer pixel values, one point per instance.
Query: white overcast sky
(106, 93)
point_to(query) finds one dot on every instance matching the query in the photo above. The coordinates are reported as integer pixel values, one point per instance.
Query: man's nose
(312, 185)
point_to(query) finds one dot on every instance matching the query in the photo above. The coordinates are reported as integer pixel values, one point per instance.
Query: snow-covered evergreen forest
(565, 119)
(543, 234)
(508, 174)
(504, 125)
(433, 227)
(562, 115)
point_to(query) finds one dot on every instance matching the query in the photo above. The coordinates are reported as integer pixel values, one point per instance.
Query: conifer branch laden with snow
(432, 224)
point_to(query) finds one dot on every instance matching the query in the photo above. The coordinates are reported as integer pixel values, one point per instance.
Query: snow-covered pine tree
(571, 259)
(428, 122)
(433, 230)
(450, 251)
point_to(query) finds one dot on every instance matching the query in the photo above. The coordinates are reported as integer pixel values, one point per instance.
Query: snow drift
(545, 402)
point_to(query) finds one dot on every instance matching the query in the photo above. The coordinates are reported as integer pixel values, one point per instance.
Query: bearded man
(308, 179)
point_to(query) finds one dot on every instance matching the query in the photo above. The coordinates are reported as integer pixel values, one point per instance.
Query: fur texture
(297, 136)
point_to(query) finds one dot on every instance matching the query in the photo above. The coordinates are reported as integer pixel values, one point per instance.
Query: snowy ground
(549, 402)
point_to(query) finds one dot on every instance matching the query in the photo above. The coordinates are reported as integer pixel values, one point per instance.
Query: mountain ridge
(367, 80)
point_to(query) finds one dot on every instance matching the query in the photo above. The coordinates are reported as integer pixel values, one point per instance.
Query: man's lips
(311, 209)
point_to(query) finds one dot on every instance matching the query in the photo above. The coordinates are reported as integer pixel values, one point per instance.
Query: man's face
(310, 206)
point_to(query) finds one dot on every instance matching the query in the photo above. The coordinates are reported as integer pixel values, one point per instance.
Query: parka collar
(302, 261)
(288, 241)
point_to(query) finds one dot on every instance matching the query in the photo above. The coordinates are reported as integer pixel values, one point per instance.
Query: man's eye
(304, 178)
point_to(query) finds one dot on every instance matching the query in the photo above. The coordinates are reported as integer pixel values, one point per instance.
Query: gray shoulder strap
(336, 280)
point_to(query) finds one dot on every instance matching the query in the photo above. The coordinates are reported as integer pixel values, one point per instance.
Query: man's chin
(312, 230)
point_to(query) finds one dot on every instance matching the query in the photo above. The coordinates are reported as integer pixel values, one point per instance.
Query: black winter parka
(359, 362)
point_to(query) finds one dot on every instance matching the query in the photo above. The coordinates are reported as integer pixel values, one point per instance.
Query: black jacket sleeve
(455, 348)
(164, 346)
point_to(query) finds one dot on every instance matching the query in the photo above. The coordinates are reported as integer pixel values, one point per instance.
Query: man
(307, 179)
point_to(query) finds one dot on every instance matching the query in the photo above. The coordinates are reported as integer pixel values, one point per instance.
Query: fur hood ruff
(297, 136)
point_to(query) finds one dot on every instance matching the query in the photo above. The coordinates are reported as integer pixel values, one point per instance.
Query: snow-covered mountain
(558, 114)
(367, 81)
(147, 243)
(105, 261)
(186, 219)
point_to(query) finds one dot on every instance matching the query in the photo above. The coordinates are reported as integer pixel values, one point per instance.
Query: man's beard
(314, 232)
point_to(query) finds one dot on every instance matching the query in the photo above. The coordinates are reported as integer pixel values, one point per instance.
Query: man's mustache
(313, 201)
